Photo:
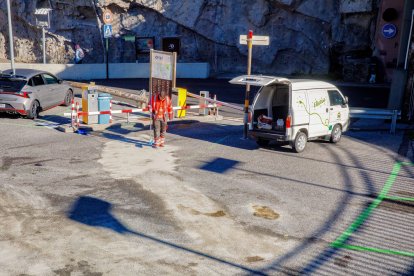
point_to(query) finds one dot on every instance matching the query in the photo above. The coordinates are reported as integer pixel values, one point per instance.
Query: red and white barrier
(134, 110)
(77, 116)
(72, 113)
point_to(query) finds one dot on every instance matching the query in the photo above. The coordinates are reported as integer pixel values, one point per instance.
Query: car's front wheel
(34, 110)
(68, 98)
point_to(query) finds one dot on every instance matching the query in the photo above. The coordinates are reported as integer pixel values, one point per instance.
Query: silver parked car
(29, 92)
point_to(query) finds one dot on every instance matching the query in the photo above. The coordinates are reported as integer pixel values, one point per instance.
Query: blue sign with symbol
(389, 31)
(107, 30)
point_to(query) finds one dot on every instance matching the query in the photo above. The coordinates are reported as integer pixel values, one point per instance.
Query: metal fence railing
(373, 113)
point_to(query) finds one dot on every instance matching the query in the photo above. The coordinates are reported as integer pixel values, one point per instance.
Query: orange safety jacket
(161, 107)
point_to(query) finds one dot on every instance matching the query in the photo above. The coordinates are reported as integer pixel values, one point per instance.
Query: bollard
(216, 110)
(203, 111)
(77, 115)
(72, 115)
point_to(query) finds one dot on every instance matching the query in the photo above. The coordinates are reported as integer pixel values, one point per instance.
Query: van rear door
(258, 80)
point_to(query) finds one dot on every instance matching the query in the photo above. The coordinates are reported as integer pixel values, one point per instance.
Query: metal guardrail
(373, 113)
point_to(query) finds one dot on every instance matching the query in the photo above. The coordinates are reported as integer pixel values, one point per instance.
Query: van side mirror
(60, 81)
(346, 100)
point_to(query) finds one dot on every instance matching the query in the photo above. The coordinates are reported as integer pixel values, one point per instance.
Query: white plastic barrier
(116, 70)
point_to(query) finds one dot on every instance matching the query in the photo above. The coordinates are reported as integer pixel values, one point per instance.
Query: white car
(295, 110)
(29, 92)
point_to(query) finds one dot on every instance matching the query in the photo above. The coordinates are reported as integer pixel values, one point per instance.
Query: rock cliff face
(307, 36)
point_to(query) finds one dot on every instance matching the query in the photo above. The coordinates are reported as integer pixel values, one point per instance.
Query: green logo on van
(315, 104)
(319, 102)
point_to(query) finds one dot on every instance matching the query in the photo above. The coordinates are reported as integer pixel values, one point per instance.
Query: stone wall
(307, 36)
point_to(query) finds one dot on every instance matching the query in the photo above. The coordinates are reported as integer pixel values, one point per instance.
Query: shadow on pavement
(95, 212)
(216, 133)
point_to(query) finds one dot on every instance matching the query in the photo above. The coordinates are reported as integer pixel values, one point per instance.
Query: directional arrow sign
(257, 40)
(389, 31)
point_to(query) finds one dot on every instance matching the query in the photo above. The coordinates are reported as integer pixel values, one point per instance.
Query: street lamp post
(44, 45)
(11, 44)
(43, 21)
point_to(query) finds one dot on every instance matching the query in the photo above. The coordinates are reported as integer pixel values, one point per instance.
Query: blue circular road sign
(389, 30)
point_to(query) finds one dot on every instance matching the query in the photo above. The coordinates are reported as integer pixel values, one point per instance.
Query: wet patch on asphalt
(217, 214)
(254, 259)
(81, 267)
(7, 162)
(264, 212)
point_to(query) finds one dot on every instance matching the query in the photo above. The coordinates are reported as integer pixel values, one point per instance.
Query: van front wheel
(336, 134)
(299, 144)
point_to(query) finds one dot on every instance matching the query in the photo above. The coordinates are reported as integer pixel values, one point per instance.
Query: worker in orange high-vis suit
(161, 106)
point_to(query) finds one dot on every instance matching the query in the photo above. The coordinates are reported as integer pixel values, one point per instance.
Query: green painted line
(377, 250)
(365, 214)
(400, 198)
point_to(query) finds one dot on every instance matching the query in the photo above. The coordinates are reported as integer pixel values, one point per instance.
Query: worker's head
(163, 94)
(77, 46)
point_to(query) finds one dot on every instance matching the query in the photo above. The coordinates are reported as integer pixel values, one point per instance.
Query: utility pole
(11, 44)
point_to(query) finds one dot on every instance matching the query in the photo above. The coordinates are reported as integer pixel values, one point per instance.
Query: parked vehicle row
(29, 92)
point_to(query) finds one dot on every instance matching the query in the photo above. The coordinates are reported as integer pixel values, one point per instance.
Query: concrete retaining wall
(116, 70)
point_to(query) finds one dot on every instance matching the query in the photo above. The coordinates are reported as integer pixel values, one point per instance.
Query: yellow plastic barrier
(85, 102)
(182, 101)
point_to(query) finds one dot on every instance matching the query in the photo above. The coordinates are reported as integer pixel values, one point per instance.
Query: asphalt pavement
(209, 203)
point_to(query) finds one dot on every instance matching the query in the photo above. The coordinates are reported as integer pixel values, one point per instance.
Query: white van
(295, 110)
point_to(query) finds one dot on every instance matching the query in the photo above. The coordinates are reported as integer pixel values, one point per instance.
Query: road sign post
(250, 40)
(107, 17)
(249, 71)
(107, 30)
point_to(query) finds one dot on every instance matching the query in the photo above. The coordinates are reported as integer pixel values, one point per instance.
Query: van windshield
(10, 84)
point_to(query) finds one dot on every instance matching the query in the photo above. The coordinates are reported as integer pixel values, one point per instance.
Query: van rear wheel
(299, 144)
(262, 142)
(336, 134)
